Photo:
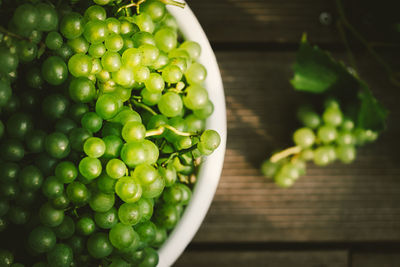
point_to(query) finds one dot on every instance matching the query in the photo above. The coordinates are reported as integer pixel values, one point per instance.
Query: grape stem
(7, 32)
(176, 154)
(285, 153)
(173, 3)
(143, 106)
(160, 130)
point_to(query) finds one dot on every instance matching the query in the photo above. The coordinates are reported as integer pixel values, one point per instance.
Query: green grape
(332, 116)
(106, 220)
(289, 170)
(155, 83)
(168, 174)
(33, 78)
(141, 73)
(170, 104)
(159, 238)
(127, 28)
(111, 61)
(165, 39)
(114, 42)
(133, 131)
(106, 184)
(196, 73)
(13, 150)
(26, 16)
(346, 153)
(54, 70)
(327, 134)
(172, 195)
(128, 189)
(172, 74)
(42, 239)
(9, 61)
(19, 125)
(131, 57)
(80, 65)
(113, 25)
(90, 168)
(79, 45)
(345, 138)
(124, 77)
(144, 22)
(116, 168)
(61, 256)
(101, 202)
(85, 226)
(192, 48)
(57, 145)
(122, 236)
(65, 52)
(94, 147)
(47, 17)
(5, 92)
(66, 172)
(308, 117)
(50, 216)
(180, 62)
(347, 124)
(322, 156)
(96, 31)
(95, 13)
(107, 106)
(149, 98)
(269, 169)
(113, 146)
(136, 153)
(111, 128)
(304, 137)
(210, 139)
(161, 61)
(66, 229)
(194, 124)
(196, 97)
(149, 53)
(99, 246)
(146, 231)
(166, 216)
(92, 122)
(54, 40)
(72, 25)
(155, 9)
(129, 214)
(18, 215)
(55, 106)
(146, 207)
(30, 178)
(77, 193)
(97, 50)
(52, 187)
(27, 51)
(307, 154)
(9, 171)
(282, 180)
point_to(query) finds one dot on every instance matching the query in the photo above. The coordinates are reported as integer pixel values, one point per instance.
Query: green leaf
(315, 71)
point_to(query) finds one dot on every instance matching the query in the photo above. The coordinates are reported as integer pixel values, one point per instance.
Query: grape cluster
(323, 138)
(101, 134)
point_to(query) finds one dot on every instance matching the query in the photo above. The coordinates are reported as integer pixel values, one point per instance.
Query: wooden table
(340, 215)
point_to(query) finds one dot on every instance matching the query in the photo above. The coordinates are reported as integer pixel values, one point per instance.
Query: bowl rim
(211, 168)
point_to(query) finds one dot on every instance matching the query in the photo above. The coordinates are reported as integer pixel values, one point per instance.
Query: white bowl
(210, 170)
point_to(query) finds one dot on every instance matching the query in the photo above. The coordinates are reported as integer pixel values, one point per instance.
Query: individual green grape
(50, 216)
(127, 28)
(41, 239)
(61, 255)
(94, 147)
(282, 180)
(332, 116)
(55, 106)
(159, 238)
(144, 22)
(196, 73)
(210, 139)
(30, 178)
(97, 50)
(95, 12)
(66, 229)
(80, 65)
(48, 17)
(345, 138)
(77, 193)
(96, 31)
(269, 169)
(133, 131)
(106, 220)
(27, 51)
(66, 172)
(170, 104)
(13, 150)
(19, 125)
(346, 153)
(101, 202)
(99, 246)
(308, 117)
(327, 134)
(204, 112)
(114, 42)
(57, 145)
(26, 16)
(141, 73)
(192, 48)
(92, 122)
(196, 97)
(54, 70)
(131, 57)
(5, 92)
(129, 214)
(52, 187)
(172, 74)
(161, 61)
(322, 156)
(128, 189)
(149, 98)
(113, 25)
(106, 184)
(9, 61)
(155, 83)
(125, 77)
(90, 168)
(85, 226)
(166, 216)
(116, 168)
(347, 124)
(307, 154)
(111, 61)
(107, 106)
(122, 236)
(304, 137)
(72, 25)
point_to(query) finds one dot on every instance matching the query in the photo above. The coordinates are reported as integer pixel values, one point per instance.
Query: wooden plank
(373, 259)
(249, 21)
(356, 202)
(263, 258)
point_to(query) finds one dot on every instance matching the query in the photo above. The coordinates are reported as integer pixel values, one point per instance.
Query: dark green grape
(99, 245)
(54, 70)
(60, 256)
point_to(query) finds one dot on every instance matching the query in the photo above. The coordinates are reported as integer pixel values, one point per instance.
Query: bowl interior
(210, 170)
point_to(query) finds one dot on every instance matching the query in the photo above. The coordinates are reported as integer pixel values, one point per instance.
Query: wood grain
(345, 203)
(373, 259)
(264, 258)
(250, 21)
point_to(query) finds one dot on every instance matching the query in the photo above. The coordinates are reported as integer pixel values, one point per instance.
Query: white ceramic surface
(210, 170)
